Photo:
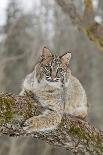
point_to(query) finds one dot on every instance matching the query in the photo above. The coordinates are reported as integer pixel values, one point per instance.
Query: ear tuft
(66, 58)
(46, 53)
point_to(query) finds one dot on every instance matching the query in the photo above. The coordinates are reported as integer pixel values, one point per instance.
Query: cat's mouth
(52, 79)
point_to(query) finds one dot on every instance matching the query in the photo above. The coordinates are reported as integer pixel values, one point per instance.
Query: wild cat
(54, 87)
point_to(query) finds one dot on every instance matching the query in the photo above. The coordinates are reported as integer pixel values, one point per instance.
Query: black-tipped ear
(65, 58)
(46, 53)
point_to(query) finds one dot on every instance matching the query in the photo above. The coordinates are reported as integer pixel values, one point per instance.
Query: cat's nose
(53, 75)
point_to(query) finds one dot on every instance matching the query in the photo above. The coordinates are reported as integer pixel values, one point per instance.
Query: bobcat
(54, 87)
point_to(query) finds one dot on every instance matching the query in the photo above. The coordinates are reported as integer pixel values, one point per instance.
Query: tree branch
(72, 133)
(86, 22)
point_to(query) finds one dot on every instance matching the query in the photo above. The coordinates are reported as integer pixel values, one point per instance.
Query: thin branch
(86, 22)
(69, 8)
(89, 10)
(72, 133)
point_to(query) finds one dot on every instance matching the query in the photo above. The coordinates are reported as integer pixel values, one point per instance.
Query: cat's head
(51, 67)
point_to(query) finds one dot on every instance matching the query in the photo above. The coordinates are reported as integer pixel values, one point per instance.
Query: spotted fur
(56, 90)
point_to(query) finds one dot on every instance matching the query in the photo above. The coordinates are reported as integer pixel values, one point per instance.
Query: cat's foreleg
(49, 120)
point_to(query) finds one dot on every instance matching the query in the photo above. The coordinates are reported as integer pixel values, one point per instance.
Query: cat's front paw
(29, 126)
(81, 114)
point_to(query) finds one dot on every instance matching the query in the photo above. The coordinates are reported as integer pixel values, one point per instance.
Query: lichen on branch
(72, 133)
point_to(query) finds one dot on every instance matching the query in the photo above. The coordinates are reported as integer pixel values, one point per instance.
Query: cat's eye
(59, 69)
(47, 70)
(47, 66)
(59, 72)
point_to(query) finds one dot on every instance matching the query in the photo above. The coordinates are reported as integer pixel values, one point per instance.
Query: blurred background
(27, 26)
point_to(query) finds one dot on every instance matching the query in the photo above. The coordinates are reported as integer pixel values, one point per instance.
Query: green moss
(99, 141)
(81, 134)
(5, 106)
(77, 131)
(29, 108)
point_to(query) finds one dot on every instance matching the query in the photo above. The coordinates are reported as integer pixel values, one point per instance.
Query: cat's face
(53, 68)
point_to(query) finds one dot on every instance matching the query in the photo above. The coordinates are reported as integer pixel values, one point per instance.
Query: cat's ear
(65, 58)
(46, 53)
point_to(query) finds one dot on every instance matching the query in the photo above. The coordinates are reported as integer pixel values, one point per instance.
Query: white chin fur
(54, 84)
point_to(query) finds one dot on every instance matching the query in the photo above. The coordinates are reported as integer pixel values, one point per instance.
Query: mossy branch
(72, 133)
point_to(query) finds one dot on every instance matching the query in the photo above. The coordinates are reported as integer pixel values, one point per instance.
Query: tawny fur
(57, 95)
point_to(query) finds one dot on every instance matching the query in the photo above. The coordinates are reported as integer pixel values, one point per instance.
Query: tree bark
(74, 134)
